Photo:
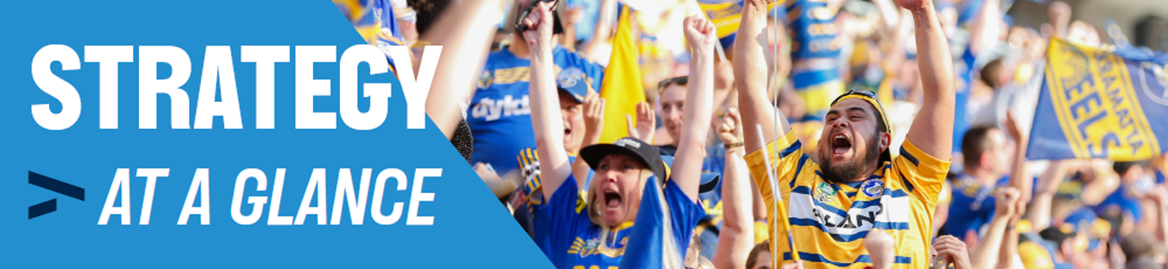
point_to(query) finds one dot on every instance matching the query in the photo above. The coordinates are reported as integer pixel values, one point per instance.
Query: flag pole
(778, 198)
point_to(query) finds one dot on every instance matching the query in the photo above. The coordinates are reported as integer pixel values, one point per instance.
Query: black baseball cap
(649, 155)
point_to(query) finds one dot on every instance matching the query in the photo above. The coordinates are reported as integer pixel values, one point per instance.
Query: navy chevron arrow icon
(56, 186)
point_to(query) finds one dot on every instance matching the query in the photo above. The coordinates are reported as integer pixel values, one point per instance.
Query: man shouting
(852, 186)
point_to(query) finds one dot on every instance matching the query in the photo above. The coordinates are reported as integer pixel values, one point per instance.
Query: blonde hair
(670, 254)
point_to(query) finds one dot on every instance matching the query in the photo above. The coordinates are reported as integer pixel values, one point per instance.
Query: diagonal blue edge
(471, 228)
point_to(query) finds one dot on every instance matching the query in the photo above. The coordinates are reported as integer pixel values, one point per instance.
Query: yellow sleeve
(786, 157)
(785, 154)
(922, 174)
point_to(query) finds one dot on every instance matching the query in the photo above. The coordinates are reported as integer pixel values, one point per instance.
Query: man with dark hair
(993, 74)
(854, 186)
(988, 158)
(671, 97)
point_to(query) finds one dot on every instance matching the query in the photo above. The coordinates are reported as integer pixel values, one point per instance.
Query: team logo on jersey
(485, 80)
(872, 187)
(824, 192)
(569, 77)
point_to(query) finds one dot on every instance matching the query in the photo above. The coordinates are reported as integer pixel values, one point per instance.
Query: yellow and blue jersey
(568, 237)
(816, 33)
(499, 114)
(972, 206)
(816, 36)
(829, 221)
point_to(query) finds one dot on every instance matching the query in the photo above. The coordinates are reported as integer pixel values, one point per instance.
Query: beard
(846, 171)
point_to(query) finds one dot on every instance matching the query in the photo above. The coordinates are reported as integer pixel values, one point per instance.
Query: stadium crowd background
(1089, 213)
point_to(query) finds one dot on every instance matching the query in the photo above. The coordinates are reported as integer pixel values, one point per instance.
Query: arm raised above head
(546, 117)
(691, 147)
(932, 129)
(750, 73)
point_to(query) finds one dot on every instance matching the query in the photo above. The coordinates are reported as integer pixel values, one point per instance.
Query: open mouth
(612, 199)
(840, 144)
(567, 131)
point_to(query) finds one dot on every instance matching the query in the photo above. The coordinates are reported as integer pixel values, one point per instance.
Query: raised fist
(700, 34)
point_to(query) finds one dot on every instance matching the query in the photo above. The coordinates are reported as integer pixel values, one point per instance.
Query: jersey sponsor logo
(872, 187)
(491, 109)
(859, 218)
(824, 193)
(585, 248)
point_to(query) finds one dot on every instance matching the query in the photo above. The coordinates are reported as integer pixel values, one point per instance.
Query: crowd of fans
(820, 134)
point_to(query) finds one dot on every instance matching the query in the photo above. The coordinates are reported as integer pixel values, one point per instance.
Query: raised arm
(1044, 192)
(737, 235)
(465, 38)
(889, 16)
(1159, 197)
(1019, 175)
(932, 129)
(593, 126)
(986, 254)
(691, 148)
(1060, 18)
(545, 113)
(750, 76)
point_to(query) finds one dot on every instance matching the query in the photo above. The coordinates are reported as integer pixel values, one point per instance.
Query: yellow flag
(621, 89)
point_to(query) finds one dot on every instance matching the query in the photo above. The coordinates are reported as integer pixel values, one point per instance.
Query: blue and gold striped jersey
(829, 221)
(499, 114)
(816, 33)
(815, 36)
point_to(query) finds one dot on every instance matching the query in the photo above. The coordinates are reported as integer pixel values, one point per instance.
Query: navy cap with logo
(648, 154)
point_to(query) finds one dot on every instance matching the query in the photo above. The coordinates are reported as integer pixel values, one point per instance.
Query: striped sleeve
(786, 156)
(922, 174)
(529, 167)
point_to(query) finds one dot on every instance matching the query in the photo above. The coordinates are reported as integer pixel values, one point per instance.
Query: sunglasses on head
(674, 80)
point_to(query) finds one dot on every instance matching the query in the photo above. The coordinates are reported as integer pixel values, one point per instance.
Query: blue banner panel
(232, 135)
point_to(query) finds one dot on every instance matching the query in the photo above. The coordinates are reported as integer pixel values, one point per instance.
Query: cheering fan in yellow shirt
(821, 208)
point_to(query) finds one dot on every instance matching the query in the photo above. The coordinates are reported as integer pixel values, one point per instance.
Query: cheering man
(853, 185)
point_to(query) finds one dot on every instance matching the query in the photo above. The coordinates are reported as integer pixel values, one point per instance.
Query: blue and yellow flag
(725, 14)
(1101, 103)
(375, 21)
(621, 88)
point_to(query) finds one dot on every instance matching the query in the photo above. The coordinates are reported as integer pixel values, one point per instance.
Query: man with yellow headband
(820, 208)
